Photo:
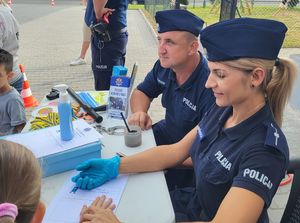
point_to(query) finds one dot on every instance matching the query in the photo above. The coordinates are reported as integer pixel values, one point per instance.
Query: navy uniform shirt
(252, 155)
(186, 104)
(117, 20)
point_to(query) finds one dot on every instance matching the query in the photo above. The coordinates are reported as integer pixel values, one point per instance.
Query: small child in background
(12, 111)
(20, 185)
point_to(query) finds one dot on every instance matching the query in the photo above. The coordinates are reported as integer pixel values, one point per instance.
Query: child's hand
(102, 203)
(101, 216)
(99, 211)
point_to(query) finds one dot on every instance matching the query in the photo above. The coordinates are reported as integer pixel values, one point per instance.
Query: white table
(145, 198)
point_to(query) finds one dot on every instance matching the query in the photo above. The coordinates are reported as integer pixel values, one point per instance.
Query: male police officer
(108, 49)
(179, 75)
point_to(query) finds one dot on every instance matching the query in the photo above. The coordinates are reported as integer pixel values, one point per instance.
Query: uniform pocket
(215, 173)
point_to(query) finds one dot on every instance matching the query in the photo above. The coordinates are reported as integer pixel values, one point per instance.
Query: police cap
(178, 20)
(243, 37)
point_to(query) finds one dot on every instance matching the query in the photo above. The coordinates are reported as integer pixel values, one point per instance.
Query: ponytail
(279, 87)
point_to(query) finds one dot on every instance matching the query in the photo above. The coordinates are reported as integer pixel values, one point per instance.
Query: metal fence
(152, 6)
(209, 11)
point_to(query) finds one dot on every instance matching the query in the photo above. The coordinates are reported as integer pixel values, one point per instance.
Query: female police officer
(238, 151)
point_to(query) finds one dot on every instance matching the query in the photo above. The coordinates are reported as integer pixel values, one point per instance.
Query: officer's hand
(95, 172)
(104, 11)
(107, 12)
(141, 119)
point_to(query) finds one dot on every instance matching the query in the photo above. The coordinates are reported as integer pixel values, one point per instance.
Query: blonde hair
(278, 82)
(20, 180)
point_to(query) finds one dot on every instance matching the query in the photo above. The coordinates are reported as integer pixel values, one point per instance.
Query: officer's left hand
(141, 119)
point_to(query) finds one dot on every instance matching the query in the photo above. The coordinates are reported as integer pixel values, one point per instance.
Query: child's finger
(95, 202)
(88, 217)
(101, 201)
(107, 203)
(112, 207)
(83, 209)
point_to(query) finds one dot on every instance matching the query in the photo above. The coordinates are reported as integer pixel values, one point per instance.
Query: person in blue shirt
(107, 53)
(238, 150)
(179, 77)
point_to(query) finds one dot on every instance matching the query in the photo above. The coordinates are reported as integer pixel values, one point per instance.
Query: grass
(135, 7)
(290, 17)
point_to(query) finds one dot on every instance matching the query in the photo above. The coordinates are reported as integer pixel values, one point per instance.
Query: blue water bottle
(65, 113)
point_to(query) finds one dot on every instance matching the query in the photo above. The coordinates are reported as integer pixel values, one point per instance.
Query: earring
(252, 86)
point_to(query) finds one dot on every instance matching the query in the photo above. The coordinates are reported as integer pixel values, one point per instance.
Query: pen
(73, 191)
(120, 154)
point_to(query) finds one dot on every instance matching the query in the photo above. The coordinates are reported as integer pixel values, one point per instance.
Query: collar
(245, 126)
(195, 75)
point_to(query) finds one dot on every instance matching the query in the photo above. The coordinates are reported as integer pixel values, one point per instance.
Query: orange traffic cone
(52, 2)
(29, 100)
(9, 2)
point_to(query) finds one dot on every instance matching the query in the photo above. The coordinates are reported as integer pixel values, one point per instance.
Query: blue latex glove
(95, 172)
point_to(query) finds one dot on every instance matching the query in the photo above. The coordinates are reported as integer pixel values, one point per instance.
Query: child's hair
(20, 181)
(3, 2)
(6, 59)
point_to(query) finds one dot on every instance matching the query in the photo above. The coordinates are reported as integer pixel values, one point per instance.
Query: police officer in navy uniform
(239, 153)
(179, 77)
(106, 54)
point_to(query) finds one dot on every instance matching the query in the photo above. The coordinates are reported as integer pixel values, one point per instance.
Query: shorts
(86, 33)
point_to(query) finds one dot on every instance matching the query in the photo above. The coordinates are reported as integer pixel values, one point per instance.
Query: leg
(86, 40)
(161, 134)
(186, 205)
(180, 178)
(84, 46)
(105, 56)
(176, 178)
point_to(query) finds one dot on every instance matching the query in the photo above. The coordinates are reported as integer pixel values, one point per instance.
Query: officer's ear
(193, 42)
(257, 76)
(194, 47)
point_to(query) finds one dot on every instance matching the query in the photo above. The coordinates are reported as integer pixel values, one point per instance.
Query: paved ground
(51, 37)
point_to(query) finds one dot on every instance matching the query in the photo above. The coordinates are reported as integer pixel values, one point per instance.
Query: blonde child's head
(20, 183)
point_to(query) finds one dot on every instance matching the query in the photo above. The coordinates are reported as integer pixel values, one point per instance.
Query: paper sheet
(47, 141)
(66, 206)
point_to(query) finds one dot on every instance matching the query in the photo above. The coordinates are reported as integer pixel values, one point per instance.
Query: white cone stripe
(25, 77)
(26, 93)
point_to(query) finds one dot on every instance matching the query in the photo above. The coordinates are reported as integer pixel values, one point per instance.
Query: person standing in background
(9, 41)
(107, 53)
(86, 39)
(84, 47)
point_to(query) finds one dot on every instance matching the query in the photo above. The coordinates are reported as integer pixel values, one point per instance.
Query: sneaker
(78, 61)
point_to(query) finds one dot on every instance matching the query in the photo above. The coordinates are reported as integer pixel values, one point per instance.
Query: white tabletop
(145, 198)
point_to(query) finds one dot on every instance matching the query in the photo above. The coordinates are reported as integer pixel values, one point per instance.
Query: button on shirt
(186, 104)
(252, 155)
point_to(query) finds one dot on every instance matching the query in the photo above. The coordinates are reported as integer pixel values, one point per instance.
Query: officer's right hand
(141, 119)
(95, 172)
